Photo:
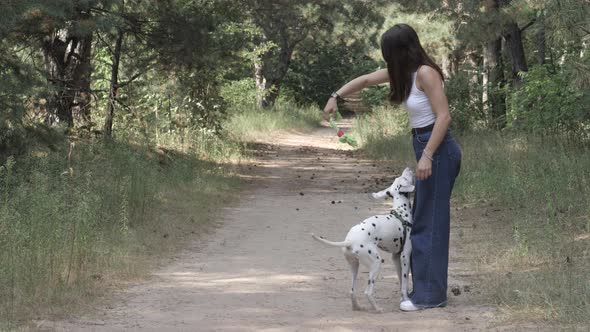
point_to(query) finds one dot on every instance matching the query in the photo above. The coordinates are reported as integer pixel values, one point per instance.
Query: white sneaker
(408, 306)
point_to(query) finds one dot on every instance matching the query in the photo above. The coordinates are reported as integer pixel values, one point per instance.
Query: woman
(416, 82)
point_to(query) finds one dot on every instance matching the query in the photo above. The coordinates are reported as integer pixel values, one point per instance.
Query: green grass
(543, 271)
(68, 237)
(251, 123)
(64, 237)
(536, 268)
(384, 134)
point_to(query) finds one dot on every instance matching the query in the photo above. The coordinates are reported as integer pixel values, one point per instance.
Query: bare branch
(528, 24)
(105, 43)
(133, 78)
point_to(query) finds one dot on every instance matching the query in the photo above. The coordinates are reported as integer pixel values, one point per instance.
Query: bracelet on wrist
(336, 95)
(427, 155)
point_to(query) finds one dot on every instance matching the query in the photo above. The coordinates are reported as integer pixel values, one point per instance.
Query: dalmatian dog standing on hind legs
(390, 233)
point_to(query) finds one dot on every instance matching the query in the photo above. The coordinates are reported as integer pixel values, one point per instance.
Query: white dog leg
(354, 269)
(405, 265)
(398, 269)
(373, 273)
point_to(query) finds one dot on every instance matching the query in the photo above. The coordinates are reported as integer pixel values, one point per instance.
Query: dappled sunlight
(246, 282)
(320, 164)
(262, 271)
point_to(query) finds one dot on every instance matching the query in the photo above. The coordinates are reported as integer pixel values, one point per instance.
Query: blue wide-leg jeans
(431, 227)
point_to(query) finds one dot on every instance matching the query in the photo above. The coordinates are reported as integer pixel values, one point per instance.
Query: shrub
(548, 104)
(375, 96)
(465, 109)
(320, 67)
(239, 94)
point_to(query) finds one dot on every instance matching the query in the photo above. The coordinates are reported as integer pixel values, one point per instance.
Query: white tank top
(418, 107)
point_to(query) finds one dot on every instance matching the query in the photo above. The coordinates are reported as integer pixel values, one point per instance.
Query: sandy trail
(261, 271)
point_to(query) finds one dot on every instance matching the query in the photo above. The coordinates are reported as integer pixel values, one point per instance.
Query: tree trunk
(513, 38)
(473, 59)
(283, 26)
(260, 84)
(54, 53)
(65, 57)
(446, 66)
(108, 124)
(494, 81)
(83, 97)
(540, 39)
(270, 69)
(67, 54)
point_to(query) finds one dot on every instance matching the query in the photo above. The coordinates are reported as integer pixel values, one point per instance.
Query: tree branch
(528, 24)
(105, 43)
(125, 106)
(133, 78)
(100, 10)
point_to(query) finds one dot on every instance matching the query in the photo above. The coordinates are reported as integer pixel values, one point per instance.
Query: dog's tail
(330, 243)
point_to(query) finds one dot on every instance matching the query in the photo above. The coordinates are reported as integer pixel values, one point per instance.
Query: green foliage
(549, 104)
(567, 23)
(320, 67)
(291, 35)
(18, 79)
(172, 64)
(435, 31)
(375, 96)
(240, 94)
(194, 35)
(161, 105)
(62, 234)
(464, 103)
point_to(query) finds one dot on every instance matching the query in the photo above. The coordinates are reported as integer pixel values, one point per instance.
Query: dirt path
(261, 271)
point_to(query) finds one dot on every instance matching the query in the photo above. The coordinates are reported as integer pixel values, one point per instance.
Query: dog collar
(407, 226)
(400, 218)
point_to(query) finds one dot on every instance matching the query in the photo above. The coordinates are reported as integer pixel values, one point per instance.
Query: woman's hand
(424, 168)
(331, 108)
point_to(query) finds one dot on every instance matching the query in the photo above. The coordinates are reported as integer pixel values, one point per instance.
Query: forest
(113, 111)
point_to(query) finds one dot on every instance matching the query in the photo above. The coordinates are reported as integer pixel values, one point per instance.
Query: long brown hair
(403, 54)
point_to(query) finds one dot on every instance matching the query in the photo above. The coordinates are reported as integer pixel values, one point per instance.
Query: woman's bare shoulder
(426, 76)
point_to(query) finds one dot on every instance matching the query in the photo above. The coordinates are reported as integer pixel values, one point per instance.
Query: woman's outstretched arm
(357, 84)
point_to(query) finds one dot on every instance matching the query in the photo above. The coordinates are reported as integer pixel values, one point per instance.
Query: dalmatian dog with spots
(389, 232)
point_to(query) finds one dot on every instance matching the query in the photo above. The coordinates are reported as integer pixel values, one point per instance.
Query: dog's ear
(408, 173)
(407, 189)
